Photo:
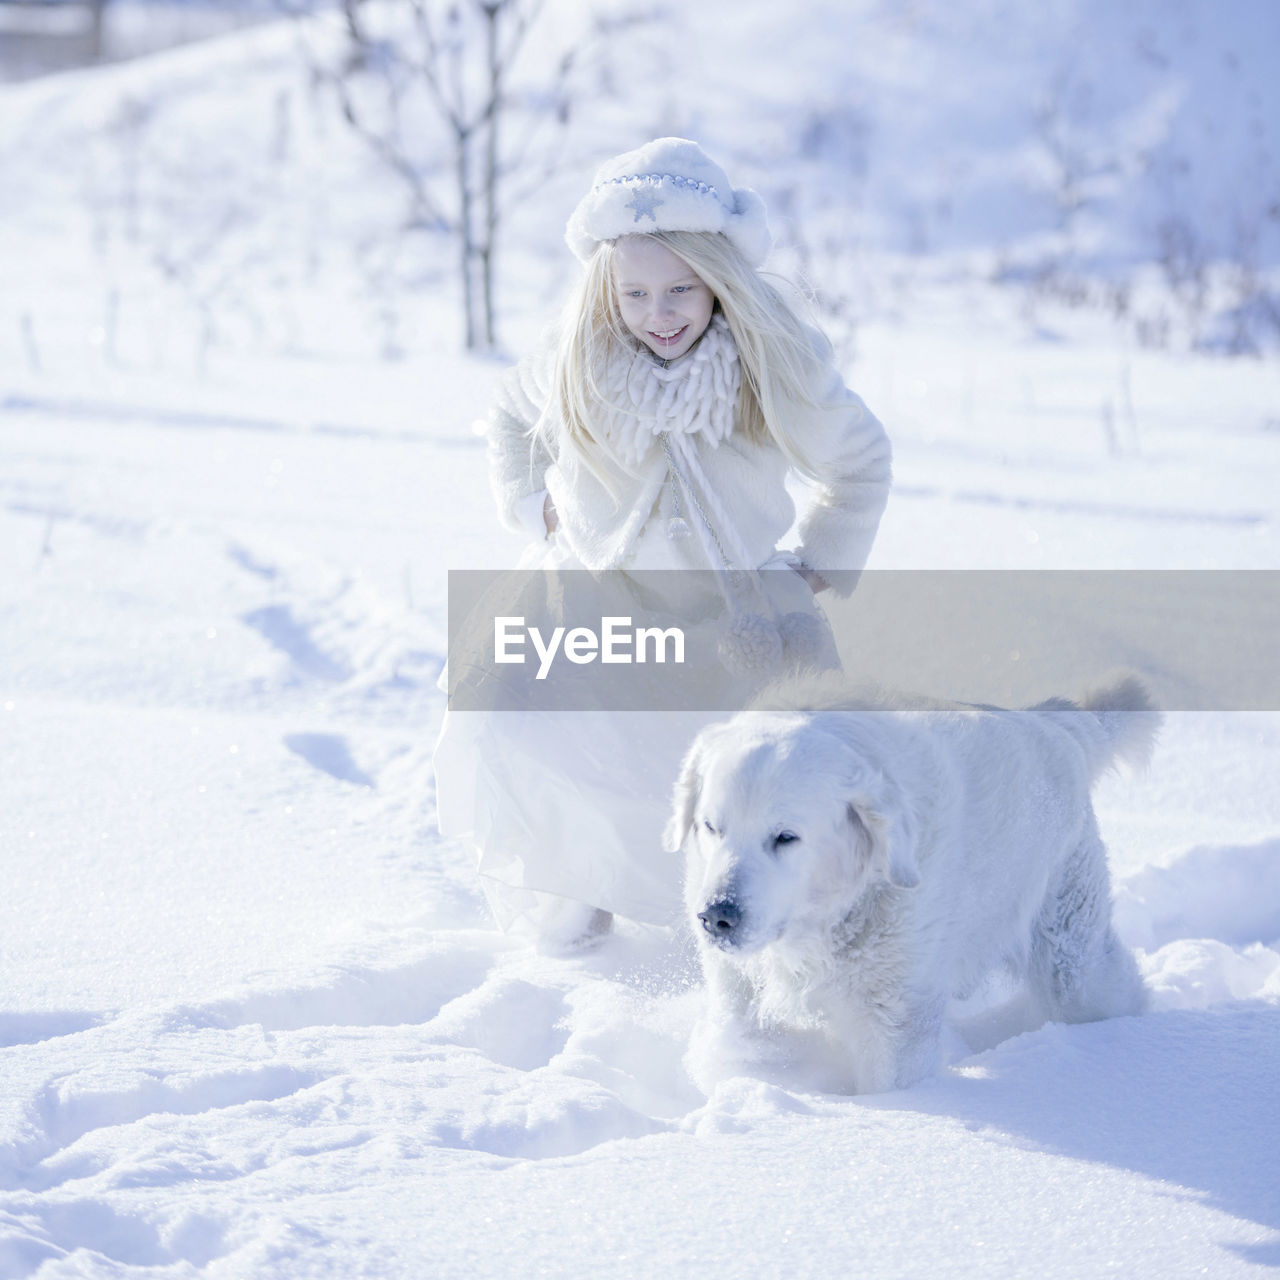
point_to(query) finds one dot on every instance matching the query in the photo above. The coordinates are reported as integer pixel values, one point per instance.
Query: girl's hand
(549, 516)
(815, 580)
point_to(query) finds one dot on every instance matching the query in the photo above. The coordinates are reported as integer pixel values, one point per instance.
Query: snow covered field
(255, 1020)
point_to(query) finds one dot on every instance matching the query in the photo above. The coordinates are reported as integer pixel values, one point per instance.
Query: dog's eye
(708, 826)
(784, 837)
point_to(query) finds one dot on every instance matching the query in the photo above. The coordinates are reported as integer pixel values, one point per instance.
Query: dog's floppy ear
(889, 829)
(685, 800)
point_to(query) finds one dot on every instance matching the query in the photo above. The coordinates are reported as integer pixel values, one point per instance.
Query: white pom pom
(750, 645)
(807, 641)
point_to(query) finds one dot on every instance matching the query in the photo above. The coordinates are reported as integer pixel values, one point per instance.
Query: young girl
(656, 431)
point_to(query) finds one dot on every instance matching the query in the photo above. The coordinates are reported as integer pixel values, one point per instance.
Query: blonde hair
(776, 350)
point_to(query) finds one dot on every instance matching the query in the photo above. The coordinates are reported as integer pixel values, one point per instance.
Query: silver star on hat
(644, 203)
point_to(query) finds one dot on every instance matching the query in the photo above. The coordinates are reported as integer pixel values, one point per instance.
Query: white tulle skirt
(573, 803)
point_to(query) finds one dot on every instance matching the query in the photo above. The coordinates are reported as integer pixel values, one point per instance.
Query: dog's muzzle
(720, 921)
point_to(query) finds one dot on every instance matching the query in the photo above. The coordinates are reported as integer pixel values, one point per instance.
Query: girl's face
(662, 301)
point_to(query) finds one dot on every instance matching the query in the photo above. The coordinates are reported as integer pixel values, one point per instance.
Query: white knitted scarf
(694, 395)
(671, 407)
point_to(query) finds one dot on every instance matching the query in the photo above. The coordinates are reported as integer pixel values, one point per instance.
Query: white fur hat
(669, 184)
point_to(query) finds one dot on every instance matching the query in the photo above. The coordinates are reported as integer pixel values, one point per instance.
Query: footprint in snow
(278, 626)
(329, 753)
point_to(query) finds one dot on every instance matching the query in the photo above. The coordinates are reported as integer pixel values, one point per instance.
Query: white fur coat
(843, 439)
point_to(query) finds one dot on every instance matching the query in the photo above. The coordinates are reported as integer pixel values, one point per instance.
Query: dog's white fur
(934, 842)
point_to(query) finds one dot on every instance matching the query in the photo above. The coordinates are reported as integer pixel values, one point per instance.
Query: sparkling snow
(255, 1020)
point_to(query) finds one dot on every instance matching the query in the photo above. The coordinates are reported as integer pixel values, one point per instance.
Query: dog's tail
(1116, 723)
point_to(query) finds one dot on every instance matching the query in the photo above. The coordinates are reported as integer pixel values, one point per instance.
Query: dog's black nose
(720, 919)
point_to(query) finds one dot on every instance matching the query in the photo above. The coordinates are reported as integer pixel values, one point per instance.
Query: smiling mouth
(670, 338)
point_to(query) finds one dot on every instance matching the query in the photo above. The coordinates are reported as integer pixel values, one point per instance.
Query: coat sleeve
(518, 455)
(849, 459)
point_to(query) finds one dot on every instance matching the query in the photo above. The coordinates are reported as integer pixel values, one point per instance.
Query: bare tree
(430, 92)
(97, 23)
(1184, 260)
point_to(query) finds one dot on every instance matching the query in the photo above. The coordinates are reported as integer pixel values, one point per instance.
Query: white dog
(852, 864)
